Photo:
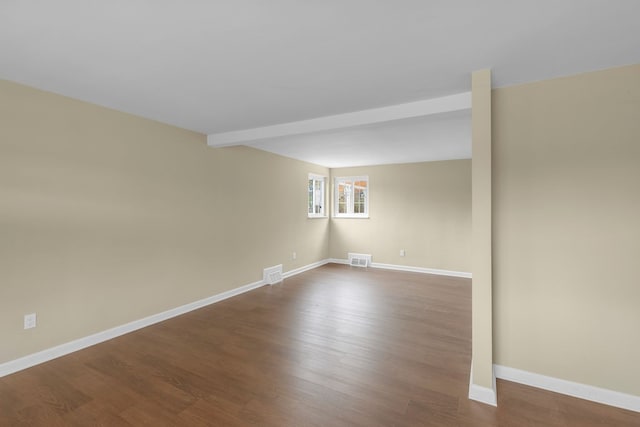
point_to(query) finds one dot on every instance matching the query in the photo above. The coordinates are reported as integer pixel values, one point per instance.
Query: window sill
(316, 216)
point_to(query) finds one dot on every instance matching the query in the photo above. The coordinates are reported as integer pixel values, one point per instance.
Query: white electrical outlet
(294, 255)
(402, 253)
(29, 321)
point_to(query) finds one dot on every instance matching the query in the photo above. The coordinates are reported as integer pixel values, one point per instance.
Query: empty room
(407, 213)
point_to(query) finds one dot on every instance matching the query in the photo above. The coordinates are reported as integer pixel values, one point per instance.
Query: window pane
(351, 196)
(318, 196)
(360, 195)
(358, 205)
(342, 197)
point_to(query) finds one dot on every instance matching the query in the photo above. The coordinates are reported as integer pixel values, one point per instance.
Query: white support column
(482, 384)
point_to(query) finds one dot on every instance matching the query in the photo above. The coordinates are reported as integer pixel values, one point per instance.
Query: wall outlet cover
(30, 321)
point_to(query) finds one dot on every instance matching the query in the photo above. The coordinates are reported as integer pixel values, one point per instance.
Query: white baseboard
(483, 394)
(582, 391)
(408, 268)
(75, 345)
(305, 268)
(421, 270)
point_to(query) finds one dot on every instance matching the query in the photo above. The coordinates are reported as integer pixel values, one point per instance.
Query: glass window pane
(319, 196)
(360, 195)
(358, 204)
(351, 196)
(342, 198)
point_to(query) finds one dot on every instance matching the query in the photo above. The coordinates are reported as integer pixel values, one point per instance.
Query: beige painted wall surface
(107, 218)
(567, 228)
(423, 208)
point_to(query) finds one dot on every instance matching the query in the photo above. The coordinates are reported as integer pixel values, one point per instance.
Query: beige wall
(106, 218)
(566, 167)
(423, 208)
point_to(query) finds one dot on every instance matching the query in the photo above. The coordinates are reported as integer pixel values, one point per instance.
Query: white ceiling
(221, 66)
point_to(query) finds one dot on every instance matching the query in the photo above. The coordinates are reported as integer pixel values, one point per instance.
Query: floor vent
(272, 275)
(359, 260)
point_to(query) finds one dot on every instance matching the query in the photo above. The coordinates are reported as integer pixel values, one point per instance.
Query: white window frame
(323, 204)
(350, 205)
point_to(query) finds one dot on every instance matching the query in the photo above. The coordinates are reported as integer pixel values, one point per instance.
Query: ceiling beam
(445, 104)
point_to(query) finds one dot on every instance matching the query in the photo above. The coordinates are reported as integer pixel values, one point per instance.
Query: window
(316, 206)
(352, 197)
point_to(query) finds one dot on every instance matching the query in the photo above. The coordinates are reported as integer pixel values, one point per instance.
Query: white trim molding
(422, 270)
(408, 268)
(305, 268)
(483, 394)
(445, 104)
(63, 349)
(570, 388)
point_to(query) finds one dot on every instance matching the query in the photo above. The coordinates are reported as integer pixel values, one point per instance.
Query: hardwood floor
(335, 346)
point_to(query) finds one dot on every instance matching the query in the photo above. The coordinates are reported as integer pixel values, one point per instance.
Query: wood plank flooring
(335, 346)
